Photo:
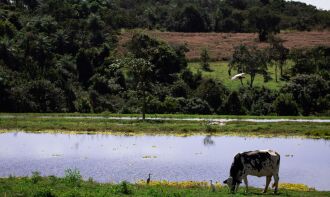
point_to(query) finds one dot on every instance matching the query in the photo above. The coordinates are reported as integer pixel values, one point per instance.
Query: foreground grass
(33, 123)
(73, 186)
(219, 71)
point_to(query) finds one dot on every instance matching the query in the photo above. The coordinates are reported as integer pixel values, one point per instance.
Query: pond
(108, 158)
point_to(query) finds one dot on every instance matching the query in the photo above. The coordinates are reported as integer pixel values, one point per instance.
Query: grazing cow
(256, 163)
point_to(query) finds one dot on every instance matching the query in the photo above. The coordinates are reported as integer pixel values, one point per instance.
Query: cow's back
(261, 162)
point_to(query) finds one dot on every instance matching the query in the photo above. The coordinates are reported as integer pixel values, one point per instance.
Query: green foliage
(311, 61)
(265, 22)
(205, 59)
(190, 20)
(212, 92)
(73, 177)
(307, 91)
(35, 178)
(233, 104)
(166, 60)
(123, 188)
(285, 105)
(249, 60)
(43, 193)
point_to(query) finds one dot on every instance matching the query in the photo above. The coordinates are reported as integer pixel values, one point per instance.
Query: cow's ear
(225, 181)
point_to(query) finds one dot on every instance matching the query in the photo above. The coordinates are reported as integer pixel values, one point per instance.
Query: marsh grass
(62, 124)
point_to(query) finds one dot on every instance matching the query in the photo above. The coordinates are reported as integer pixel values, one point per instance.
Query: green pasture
(219, 71)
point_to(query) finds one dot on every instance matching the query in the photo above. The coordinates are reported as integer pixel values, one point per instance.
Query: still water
(108, 158)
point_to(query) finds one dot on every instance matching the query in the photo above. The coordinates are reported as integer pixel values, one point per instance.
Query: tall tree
(278, 53)
(249, 60)
(265, 22)
(141, 71)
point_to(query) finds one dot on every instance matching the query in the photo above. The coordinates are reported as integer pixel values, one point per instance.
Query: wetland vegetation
(52, 186)
(104, 124)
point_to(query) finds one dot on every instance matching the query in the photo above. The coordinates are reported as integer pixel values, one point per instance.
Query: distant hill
(218, 15)
(221, 45)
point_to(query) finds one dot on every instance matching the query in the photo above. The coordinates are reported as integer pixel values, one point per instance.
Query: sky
(321, 4)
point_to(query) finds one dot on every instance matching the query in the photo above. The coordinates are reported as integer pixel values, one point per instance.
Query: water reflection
(208, 141)
(108, 158)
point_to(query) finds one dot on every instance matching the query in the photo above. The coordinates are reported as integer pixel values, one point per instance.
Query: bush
(123, 188)
(43, 193)
(35, 177)
(212, 92)
(285, 105)
(195, 106)
(233, 105)
(307, 90)
(73, 177)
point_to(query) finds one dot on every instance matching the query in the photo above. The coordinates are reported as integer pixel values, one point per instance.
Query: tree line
(60, 56)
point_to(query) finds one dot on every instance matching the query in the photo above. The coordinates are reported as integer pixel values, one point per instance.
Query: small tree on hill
(249, 60)
(205, 59)
(279, 54)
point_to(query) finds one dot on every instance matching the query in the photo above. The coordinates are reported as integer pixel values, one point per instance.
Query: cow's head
(232, 183)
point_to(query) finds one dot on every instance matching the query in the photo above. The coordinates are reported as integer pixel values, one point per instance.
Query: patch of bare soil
(221, 45)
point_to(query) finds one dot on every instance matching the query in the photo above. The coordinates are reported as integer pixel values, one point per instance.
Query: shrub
(73, 177)
(43, 193)
(123, 188)
(233, 104)
(35, 177)
(285, 105)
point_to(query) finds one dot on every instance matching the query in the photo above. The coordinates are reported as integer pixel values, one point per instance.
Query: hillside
(221, 45)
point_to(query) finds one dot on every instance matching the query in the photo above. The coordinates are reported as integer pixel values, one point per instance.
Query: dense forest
(60, 56)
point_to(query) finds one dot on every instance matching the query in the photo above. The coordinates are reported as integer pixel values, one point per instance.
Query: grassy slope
(54, 186)
(219, 71)
(169, 127)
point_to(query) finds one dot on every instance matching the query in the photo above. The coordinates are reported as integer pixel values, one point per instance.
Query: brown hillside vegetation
(221, 45)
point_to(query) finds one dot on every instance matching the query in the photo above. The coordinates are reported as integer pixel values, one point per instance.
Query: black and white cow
(256, 163)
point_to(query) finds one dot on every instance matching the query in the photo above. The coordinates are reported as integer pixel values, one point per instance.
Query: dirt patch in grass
(221, 45)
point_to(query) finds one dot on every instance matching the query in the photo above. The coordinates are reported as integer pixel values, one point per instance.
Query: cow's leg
(236, 187)
(268, 179)
(246, 184)
(276, 179)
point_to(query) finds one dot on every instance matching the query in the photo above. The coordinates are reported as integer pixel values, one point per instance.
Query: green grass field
(219, 71)
(73, 186)
(60, 123)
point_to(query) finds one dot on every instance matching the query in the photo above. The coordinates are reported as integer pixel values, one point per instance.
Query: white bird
(238, 76)
(212, 186)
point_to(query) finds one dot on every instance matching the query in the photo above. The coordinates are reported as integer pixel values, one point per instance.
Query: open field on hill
(220, 45)
(219, 71)
(72, 185)
(48, 123)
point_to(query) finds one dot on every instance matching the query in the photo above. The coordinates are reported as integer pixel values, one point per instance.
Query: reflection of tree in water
(208, 141)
